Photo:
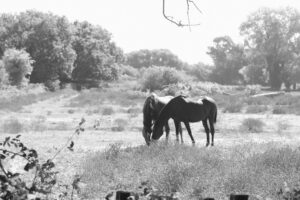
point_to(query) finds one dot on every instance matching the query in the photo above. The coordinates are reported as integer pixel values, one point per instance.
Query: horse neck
(163, 117)
(147, 121)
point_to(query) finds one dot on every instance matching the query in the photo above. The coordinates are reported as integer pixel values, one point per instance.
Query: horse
(184, 110)
(152, 107)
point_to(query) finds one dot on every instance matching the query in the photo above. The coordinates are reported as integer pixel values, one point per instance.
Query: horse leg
(205, 125)
(178, 131)
(187, 125)
(212, 130)
(167, 129)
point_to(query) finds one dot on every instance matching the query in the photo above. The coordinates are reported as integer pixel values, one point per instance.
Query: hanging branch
(178, 22)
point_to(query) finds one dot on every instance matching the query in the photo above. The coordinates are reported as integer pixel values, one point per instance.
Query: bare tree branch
(178, 22)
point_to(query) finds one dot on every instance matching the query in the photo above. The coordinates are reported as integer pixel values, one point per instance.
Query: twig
(188, 13)
(179, 23)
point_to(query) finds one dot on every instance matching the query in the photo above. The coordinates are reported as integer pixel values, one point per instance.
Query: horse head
(157, 132)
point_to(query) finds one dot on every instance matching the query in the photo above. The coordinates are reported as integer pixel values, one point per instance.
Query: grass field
(256, 147)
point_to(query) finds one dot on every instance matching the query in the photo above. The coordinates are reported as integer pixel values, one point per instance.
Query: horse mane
(147, 119)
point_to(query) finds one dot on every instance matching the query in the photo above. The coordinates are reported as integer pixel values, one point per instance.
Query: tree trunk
(275, 79)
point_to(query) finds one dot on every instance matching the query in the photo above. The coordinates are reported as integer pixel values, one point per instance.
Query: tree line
(46, 48)
(270, 54)
(39, 47)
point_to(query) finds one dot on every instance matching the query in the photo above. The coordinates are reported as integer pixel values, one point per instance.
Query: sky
(139, 24)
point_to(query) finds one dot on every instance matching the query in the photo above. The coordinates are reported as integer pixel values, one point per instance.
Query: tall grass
(191, 171)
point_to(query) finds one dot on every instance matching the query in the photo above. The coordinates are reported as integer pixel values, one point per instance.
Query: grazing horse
(152, 106)
(183, 110)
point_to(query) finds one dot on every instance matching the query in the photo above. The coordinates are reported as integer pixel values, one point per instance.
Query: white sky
(139, 24)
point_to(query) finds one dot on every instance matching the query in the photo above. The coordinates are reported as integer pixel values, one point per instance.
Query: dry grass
(193, 172)
(12, 126)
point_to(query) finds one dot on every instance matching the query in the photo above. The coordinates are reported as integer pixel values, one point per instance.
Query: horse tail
(215, 119)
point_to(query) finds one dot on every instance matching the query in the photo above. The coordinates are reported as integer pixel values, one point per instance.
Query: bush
(233, 107)
(107, 111)
(129, 71)
(156, 78)
(17, 64)
(280, 110)
(12, 126)
(119, 124)
(3, 74)
(256, 109)
(252, 125)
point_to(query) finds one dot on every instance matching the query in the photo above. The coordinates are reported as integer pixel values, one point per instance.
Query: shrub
(252, 125)
(156, 78)
(119, 124)
(107, 111)
(233, 107)
(17, 64)
(256, 109)
(12, 126)
(3, 74)
(129, 71)
(280, 110)
(282, 126)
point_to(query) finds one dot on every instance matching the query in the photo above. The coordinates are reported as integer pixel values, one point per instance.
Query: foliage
(129, 71)
(18, 64)
(46, 37)
(272, 39)
(253, 74)
(157, 57)
(201, 71)
(97, 56)
(38, 178)
(156, 78)
(228, 58)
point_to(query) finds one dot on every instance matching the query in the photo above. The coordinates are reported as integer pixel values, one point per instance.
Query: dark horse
(152, 107)
(183, 110)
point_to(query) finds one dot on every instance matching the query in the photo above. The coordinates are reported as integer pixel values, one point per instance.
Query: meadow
(256, 142)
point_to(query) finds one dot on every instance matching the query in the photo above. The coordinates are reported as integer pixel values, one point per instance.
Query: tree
(228, 59)
(46, 37)
(98, 58)
(157, 57)
(275, 36)
(18, 64)
(156, 78)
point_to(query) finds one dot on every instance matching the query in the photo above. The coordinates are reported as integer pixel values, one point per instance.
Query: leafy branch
(11, 184)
